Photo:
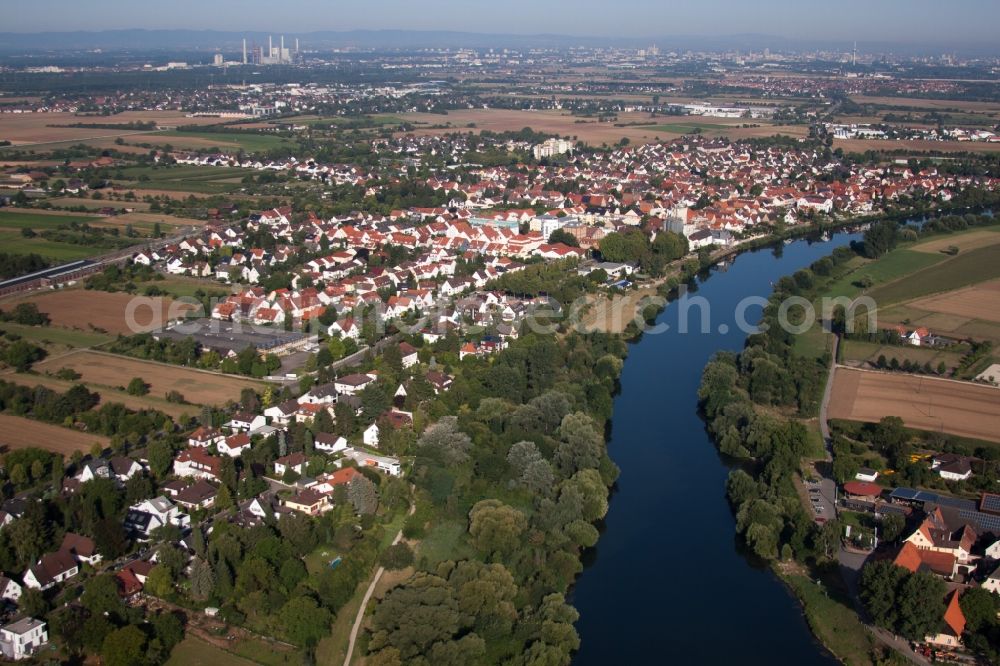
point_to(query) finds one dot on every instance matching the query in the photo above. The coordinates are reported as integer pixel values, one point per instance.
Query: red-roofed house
(954, 624)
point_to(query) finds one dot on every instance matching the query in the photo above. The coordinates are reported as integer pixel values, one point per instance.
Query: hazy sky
(875, 20)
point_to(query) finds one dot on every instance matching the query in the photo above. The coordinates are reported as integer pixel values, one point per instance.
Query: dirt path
(368, 596)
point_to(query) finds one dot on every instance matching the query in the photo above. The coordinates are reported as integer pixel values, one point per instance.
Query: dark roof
(51, 565)
(198, 492)
(78, 544)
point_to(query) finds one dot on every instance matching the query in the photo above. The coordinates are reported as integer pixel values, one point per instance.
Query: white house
(294, 461)
(21, 639)
(245, 422)
(9, 589)
(993, 551)
(389, 465)
(81, 548)
(282, 414)
(408, 353)
(328, 443)
(52, 568)
(992, 582)
(866, 474)
(197, 462)
(204, 437)
(352, 384)
(147, 515)
(234, 445)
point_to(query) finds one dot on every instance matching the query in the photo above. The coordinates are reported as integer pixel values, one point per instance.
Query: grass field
(891, 267)
(969, 240)
(832, 618)
(637, 127)
(13, 242)
(20, 219)
(20, 433)
(106, 394)
(109, 370)
(42, 128)
(193, 651)
(250, 142)
(203, 180)
(857, 351)
(444, 541)
(55, 335)
(925, 403)
(961, 271)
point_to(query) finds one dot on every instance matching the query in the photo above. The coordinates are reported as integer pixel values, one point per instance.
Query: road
(368, 596)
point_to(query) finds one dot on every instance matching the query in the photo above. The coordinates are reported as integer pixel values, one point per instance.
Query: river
(666, 583)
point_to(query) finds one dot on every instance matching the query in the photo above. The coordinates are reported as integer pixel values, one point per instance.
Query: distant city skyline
(901, 21)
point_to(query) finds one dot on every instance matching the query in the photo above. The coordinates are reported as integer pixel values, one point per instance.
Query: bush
(137, 387)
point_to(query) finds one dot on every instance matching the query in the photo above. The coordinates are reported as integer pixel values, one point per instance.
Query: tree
(160, 582)
(137, 387)
(921, 605)
(202, 579)
(979, 607)
(564, 237)
(100, 597)
(414, 616)
(395, 557)
(880, 584)
(362, 494)
(581, 444)
(892, 526)
(304, 621)
(124, 647)
(445, 442)
(495, 527)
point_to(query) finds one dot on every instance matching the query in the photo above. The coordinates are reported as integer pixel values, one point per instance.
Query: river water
(667, 583)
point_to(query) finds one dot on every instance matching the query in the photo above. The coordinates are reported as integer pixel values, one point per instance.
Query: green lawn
(55, 335)
(891, 267)
(963, 270)
(14, 243)
(444, 541)
(832, 618)
(689, 127)
(38, 221)
(262, 652)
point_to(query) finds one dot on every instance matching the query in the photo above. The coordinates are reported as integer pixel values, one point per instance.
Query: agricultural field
(981, 301)
(17, 432)
(639, 127)
(924, 403)
(13, 218)
(101, 311)
(12, 224)
(28, 129)
(197, 387)
(199, 179)
(965, 269)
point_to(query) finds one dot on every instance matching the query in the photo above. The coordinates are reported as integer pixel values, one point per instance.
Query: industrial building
(274, 55)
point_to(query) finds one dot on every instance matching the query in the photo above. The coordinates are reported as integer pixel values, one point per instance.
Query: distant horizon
(906, 22)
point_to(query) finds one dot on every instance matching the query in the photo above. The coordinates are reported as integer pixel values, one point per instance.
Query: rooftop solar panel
(991, 503)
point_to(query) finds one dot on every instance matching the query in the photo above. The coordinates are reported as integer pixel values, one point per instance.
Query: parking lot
(822, 499)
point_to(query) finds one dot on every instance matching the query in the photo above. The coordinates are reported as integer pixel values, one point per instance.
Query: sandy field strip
(958, 408)
(17, 432)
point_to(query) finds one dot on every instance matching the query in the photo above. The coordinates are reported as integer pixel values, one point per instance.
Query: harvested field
(588, 130)
(20, 433)
(88, 310)
(32, 128)
(964, 241)
(925, 403)
(197, 387)
(979, 302)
